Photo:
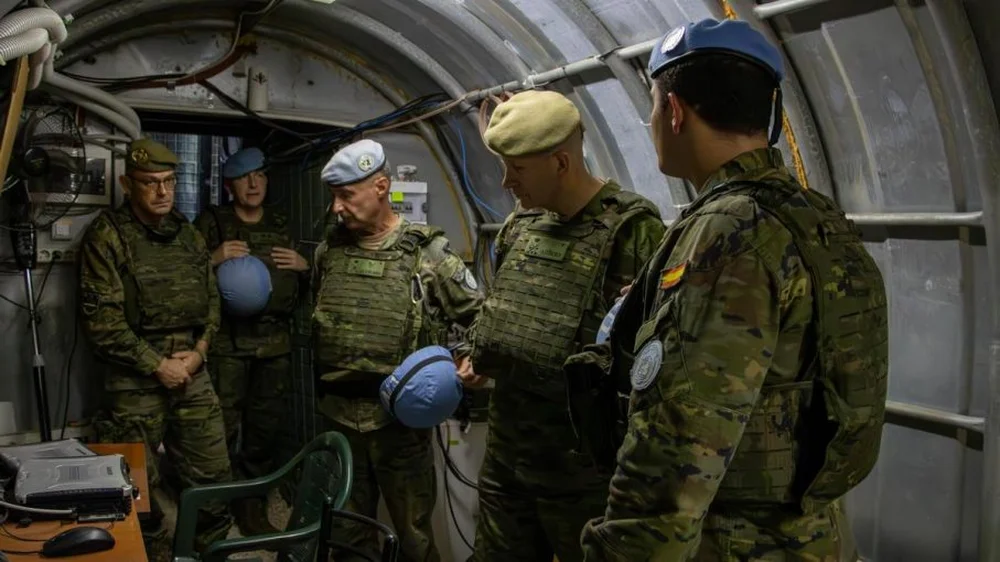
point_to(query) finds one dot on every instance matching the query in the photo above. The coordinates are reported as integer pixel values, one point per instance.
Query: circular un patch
(647, 365)
(470, 281)
(672, 40)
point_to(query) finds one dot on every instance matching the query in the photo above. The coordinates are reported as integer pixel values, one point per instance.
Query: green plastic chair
(390, 544)
(326, 476)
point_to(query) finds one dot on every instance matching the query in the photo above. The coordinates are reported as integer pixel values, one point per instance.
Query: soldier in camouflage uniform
(564, 254)
(150, 309)
(250, 358)
(759, 333)
(384, 288)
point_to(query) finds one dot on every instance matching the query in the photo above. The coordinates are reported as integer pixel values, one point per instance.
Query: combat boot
(251, 517)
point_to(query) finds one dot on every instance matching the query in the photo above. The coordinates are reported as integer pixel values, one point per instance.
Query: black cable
(69, 370)
(447, 490)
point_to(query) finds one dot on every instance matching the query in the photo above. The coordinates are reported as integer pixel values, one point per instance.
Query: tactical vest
(812, 441)
(165, 277)
(369, 312)
(547, 295)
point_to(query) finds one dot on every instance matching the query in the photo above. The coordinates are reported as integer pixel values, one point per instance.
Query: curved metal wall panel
(883, 120)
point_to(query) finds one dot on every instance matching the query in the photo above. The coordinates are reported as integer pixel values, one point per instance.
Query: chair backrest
(322, 479)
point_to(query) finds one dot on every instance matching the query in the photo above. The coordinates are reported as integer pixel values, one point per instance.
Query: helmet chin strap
(776, 125)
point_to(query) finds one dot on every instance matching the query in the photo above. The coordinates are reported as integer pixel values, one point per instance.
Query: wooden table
(128, 537)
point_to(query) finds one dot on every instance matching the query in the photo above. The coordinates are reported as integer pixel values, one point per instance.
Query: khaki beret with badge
(147, 155)
(531, 122)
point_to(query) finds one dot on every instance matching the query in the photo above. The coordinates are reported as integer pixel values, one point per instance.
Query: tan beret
(531, 122)
(147, 155)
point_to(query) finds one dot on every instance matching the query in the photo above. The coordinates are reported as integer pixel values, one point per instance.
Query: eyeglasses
(167, 183)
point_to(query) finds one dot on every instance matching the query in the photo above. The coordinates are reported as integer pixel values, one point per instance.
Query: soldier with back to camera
(385, 287)
(755, 340)
(250, 358)
(150, 308)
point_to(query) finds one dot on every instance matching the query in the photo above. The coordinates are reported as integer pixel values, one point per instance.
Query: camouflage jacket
(138, 307)
(451, 293)
(721, 310)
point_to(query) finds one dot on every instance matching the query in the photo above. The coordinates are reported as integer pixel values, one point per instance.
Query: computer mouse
(78, 540)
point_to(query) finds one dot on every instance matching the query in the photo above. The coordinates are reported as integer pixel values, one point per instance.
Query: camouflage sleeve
(102, 302)
(214, 300)
(718, 323)
(205, 224)
(453, 288)
(636, 243)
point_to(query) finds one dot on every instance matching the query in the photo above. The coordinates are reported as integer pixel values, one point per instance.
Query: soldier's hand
(192, 360)
(229, 250)
(286, 258)
(624, 292)
(172, 373)
(469, 378)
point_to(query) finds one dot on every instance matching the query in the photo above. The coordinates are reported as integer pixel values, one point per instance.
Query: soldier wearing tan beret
(563, 256)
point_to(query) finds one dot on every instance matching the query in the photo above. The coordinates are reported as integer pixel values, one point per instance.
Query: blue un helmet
(732, 37)
(244, 285)
(424, 390)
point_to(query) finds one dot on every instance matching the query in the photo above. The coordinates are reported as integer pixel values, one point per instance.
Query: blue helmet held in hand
(245, 286)
(424, 390)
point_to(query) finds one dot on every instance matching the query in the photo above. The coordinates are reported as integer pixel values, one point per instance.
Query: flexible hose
(26, 43)
(109, 104)
(37, 65)
(34, 18)
(106, 113)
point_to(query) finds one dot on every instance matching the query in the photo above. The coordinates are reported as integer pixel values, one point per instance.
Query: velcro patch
(672, 276)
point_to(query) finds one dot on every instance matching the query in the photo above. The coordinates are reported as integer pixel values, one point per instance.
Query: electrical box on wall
(60, 242)
(409, 199)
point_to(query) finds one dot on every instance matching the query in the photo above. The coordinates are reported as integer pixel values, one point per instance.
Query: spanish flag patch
(672, 276)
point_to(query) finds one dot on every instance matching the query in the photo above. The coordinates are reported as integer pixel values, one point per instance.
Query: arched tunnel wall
(888, 108)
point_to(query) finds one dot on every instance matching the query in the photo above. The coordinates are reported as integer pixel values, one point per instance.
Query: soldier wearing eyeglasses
(150, 307)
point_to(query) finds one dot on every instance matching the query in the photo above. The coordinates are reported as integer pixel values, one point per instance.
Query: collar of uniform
(748, 165)
(595, 206)
(390, 240)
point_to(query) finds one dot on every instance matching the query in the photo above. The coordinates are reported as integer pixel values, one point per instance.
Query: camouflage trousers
(535, 493)
(252, 394)
(398, 462)
(188, 421)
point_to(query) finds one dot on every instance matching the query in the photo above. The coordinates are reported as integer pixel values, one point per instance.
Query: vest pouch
(365, 314)
(172, 300)
(531, 320)
(848, 437)
(284, 282)
(767, 458)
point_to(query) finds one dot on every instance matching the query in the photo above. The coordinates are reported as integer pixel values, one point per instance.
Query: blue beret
(424, 390)
(243, 162)
(353, 163)
(730, 36)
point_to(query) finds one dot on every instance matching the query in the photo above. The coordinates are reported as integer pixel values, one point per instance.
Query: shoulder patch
(671, 277)
(646, 368)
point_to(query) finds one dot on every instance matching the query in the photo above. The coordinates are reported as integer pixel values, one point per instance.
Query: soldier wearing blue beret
(384, 288)
(754, 341)
(250, 359)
